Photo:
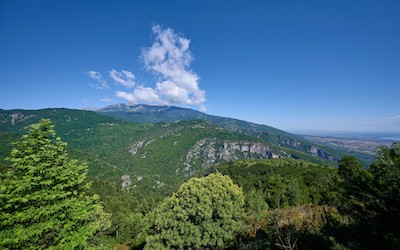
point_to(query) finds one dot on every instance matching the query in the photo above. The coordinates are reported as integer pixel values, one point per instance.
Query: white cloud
(172, 93)
(106, 99)
(100, 82)
(127, 96)
(140, 94)
(146, 94)
(169, 59)
(124, 78)
(94, 75)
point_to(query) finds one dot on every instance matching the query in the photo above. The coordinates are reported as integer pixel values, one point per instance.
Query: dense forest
(48, 201)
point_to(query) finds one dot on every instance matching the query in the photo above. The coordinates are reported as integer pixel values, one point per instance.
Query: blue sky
(294, 65)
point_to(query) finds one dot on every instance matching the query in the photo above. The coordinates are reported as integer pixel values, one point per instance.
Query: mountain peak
(142, 108)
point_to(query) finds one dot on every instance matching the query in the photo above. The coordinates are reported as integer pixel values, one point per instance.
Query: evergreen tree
(385, 189)
(42, 196)
(372, 199)
(276, 191)
(204, 213)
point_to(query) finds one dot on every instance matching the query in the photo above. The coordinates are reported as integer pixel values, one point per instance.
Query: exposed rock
(135, 147)
(14, 118)
(126, 181)
(158, 184)
(209, 151)
(150, 141)
(322, 153)
(312, 150)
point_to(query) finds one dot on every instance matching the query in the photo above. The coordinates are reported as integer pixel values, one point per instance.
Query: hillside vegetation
(186, 184)
(141, 113)
(158, 155)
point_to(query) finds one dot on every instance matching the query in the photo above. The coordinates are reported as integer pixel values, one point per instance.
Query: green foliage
(153, 114)
(297, 227)
(42, 196)
(300, 227)
(127, 206)
(372, 200)
(255, 202)
(283, 182)
(204, 213)
(6, 140)
(350, 169)
(276, 191)
(105, 144)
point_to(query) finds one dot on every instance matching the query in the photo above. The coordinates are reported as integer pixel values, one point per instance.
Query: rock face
(14, 118)
(126, 181)
(209, 151)
(312, 150)
(135, 147)
(321, 153)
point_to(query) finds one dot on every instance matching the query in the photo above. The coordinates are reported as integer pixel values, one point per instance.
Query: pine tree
(42, 197)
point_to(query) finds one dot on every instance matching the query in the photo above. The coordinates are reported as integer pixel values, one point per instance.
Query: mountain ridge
(142, 113)
(159, 155)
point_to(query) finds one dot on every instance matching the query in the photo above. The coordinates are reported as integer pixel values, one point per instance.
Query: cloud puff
(140, 94)
(124, 78)
(100, 82)
(169, 59)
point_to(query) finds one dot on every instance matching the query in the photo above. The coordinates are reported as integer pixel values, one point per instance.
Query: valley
(362, 145)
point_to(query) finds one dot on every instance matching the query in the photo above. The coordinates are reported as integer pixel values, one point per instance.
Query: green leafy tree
(276, 191)
(356, 187)
(255, 202)
(372, 199)
(296, 193)
(204, 213)
(42, 196)
(385, 188)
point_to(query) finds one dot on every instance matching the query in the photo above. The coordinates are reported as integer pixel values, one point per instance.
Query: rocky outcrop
(310, 149)
(14, 118)
(286, 142)
(135, 147)
(321, 153)
(126, 181)
(209, 151)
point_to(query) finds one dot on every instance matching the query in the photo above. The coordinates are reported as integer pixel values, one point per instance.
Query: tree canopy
(204, 212)
(43, 201)
(372, 198)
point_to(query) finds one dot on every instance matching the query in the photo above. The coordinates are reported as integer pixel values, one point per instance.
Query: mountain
(132, 166)
(141, 113)
(135, 155)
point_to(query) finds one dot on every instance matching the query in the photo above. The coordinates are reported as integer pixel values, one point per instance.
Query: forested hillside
(155, 155)
(155, 114)
(133, 166)
(188, 184)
